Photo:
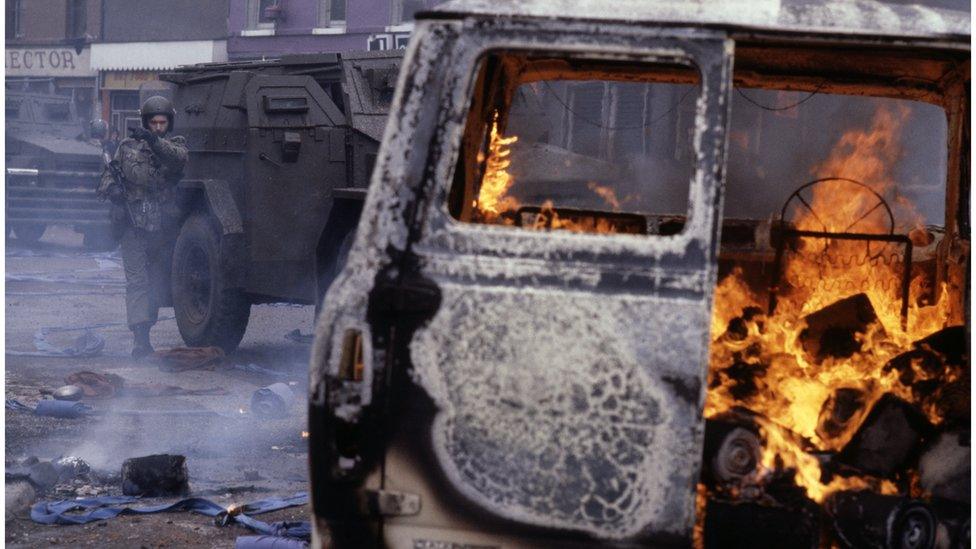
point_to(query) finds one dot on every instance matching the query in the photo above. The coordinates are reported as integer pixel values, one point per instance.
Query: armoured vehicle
(52, 169)
(516, 352)
(280, 153)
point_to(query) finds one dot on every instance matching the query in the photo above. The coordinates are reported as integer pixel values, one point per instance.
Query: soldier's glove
(115, 194)
(144, 135)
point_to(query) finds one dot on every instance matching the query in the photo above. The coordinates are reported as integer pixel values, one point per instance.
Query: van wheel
(29, 233)
(208, 312)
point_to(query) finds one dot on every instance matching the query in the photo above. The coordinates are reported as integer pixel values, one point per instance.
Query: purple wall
(293, 34)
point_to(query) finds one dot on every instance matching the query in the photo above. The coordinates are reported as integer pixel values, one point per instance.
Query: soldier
(141, 183)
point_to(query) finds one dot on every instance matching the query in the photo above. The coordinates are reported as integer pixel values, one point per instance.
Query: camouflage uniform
(148, 213)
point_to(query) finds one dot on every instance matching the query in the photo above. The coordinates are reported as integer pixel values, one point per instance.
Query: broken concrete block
(944, 468)
(888, 439)
(43, 475)
(157, 475)
(833, 330)
(866, 519)
(18, 498)
(840, 412)
(758, 526)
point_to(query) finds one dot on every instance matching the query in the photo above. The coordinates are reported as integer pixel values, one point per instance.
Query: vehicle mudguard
(222, 205)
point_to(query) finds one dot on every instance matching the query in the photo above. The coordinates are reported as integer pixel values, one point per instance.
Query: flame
(304, 434)
(493, 196)
(790, 386)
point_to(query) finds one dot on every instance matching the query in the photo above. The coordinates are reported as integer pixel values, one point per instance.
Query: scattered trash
(68, 392)
(297, 336)
(254, 368)
(61, 409)
(87, 345)
(273, 401)
(180, 359)
(43, 475)
(157, 475)
(944, 469)
(888, 439)
(840, 413)
(19, 495)
(268, 542)
(834, 330)
(70, 467)
(96, 385)
(106, 507)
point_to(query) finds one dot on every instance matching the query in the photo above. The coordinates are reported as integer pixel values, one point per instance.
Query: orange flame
(792, 386)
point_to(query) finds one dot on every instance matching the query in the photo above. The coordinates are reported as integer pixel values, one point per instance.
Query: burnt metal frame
(784, 233)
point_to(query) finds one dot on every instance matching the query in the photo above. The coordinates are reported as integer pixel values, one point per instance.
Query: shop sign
(41, 61)
(126, 80)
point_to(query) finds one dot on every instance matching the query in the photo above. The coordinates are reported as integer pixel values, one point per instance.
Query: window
(578, 145)
(57, 112)
(404, 10)
(13, 15)
(77, 18)
(332, 13)
(257, 14)
(12, 109)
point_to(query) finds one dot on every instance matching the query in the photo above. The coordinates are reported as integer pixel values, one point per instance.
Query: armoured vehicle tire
(29, 233)
(208, 311)
(99, 240)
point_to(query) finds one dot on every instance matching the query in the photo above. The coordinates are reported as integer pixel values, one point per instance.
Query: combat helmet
(156, 105)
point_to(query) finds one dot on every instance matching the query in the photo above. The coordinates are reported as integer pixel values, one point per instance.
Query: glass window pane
(337, 11)
(579, 146)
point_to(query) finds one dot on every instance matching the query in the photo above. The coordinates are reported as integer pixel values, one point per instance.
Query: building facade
(141, 38)
(48, 50)
(271, 28)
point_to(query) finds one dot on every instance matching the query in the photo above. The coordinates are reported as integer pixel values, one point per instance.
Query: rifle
(118, 221)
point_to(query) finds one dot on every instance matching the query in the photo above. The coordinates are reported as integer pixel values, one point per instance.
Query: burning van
(651, 274)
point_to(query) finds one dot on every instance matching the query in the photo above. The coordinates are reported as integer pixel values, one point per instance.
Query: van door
(538, 253)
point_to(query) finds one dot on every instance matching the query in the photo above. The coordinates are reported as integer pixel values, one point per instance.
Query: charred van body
(519, 349)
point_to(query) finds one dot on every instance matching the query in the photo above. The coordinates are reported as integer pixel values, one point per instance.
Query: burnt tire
(28, 233)
(208, 310)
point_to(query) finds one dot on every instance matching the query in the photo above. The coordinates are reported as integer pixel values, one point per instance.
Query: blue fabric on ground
(106, 507)
(268, 542)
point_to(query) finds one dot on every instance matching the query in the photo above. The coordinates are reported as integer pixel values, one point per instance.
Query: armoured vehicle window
(584, 146)
(57, 112)
(12, 109)
(285, 104)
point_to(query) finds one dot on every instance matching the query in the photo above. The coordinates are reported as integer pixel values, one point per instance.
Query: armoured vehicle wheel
(29, 233)
(208, 312)
(99, 240)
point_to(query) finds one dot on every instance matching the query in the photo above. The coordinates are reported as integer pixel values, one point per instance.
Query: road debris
(105, 507)
(157, 475)
(88, 344)
(273, 401)
(180, 359)
(68, 392)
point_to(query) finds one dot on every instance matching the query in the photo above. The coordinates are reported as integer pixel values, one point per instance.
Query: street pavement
(232, 456)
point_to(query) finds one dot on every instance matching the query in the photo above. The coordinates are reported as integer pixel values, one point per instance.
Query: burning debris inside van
(839, 362)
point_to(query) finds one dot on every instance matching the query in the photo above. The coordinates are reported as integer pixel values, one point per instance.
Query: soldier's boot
(140, 335)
